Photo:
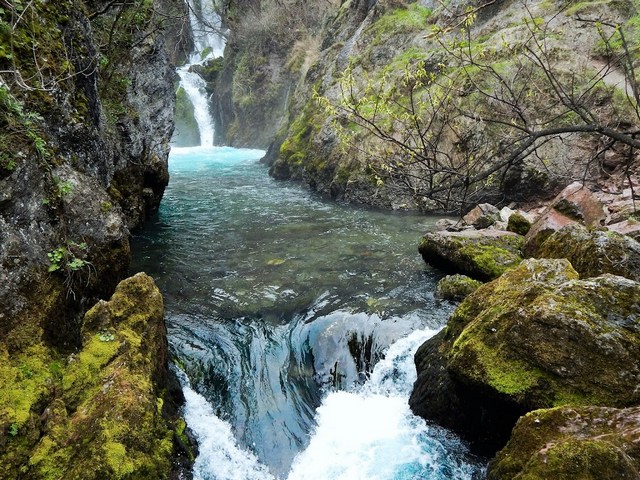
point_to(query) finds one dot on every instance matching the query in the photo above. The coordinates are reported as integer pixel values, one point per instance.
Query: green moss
(457, 287)
(491, 260)
(518, 224)
(400, 20)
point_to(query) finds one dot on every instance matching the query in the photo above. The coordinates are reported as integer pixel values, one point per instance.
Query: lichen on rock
(569, 443)
(482, 254)
(594, 252)
(534, 338)
(104, 407)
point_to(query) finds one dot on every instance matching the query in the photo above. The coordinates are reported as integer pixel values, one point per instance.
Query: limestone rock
(456, 287)
(578, 203)
(593, 253)
(536, 337)
(572, 443)
(480, 254)
(629, 227)
(113, 425)
(548, 223)
(482, 216)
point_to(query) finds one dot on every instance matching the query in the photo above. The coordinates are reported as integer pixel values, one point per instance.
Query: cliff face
(414, 104)
(86, 116)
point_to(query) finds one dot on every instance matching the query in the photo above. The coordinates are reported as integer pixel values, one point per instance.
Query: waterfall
(209, 43)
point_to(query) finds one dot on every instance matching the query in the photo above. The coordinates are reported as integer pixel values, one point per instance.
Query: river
(293, 321)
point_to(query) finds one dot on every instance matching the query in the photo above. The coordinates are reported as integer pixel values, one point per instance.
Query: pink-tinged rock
(482, 216)
(627, 227)
(550, 222)
(580, 204)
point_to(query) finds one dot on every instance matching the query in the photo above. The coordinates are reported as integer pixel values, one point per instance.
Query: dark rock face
(593, 253)
(480, 254)
(572, 443)
(534, 338)
(83, 160)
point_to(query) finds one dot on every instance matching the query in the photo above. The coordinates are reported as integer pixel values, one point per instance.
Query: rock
(110, 422)
(629, 227)
(480, 254)
(456, 287)
(593, 253)
(578, 203)
(482, 216)
(548, 223)
(517, 223)
(505, 214)
(446, 224)
(571, 443)
(537, 337)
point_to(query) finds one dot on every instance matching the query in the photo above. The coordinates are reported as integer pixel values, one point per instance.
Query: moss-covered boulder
(571, 444)
(537, 337)
(518, 223)
(100, 413)
(482, 216)
(479, 254)
(545, 226)
(593, 253)
(456, 287)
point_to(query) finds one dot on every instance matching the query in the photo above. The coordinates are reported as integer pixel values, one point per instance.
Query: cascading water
(209, 43)
(295, 322)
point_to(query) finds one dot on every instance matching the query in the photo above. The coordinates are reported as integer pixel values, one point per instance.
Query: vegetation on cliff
(86, 116)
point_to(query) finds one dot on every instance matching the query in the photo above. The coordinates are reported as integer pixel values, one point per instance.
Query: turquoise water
(282, 309)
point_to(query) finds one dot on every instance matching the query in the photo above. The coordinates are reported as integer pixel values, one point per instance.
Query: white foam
(220, 457)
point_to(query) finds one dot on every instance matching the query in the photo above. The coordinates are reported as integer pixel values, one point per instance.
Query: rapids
(293, 321)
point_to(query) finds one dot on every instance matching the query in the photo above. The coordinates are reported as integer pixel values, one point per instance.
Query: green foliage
(64, 257)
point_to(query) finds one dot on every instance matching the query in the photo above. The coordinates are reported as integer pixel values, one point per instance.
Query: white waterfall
(209, 43)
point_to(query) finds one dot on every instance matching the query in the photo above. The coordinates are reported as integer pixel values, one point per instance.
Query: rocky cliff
(86, 116)
(420, 104)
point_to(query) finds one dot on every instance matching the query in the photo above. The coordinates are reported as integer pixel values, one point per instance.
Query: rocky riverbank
(86, 116)
(551, 343)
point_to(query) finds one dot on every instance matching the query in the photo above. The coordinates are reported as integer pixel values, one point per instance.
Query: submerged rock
(537, 337)
(457, 287)
(482, 254)
(572, 443)
(593, 253)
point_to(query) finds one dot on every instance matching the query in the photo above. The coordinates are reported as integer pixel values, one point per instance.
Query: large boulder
(593, 253)
(572, 443)
(576, 204)
(536, 337)
(480, 254)
(580, 204)
(101, 413)
(546, 225)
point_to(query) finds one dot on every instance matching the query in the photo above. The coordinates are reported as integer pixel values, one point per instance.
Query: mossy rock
(103, 411)
(537, 337)
(456, 287)
(479, 254)
(593, 253)
(518, 224)
(566, 443)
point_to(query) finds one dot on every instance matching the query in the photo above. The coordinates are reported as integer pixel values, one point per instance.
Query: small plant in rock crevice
(70, 260)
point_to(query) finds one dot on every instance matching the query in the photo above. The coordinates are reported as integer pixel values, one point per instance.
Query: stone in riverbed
(536, 337)
(479, 254)
(571, 443)
(456, 287)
